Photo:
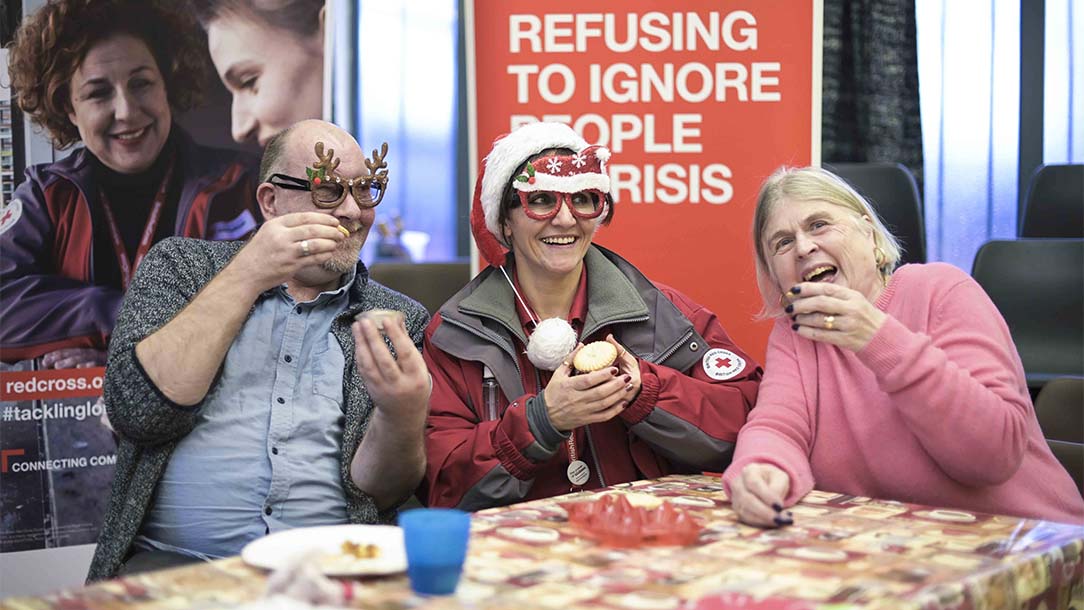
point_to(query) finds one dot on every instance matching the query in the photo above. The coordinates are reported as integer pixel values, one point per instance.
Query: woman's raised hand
(588, 398)
(628, 366)
(833, 314)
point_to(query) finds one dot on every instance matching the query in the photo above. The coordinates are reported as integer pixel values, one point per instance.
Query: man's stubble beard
(345, 256)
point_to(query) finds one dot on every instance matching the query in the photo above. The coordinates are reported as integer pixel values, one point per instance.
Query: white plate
(325, 544)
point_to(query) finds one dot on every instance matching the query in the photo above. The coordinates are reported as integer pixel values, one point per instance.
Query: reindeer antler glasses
(329, 188)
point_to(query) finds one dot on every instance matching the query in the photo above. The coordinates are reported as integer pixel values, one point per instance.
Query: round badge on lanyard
(578, 473)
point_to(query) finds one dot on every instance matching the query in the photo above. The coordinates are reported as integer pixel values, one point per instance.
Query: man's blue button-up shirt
(265, 452)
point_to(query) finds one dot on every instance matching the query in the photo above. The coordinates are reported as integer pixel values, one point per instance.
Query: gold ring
(305, 247)
(829, 322)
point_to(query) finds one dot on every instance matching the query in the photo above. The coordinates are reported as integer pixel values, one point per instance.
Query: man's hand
(834, 314)
(390, 461)
(399, 386)
(183, 357)
(588, 398)
(73, 358)
(757, 495)
(287, 243)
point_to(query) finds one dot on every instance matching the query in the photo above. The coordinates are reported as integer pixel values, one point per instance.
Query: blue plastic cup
(436, 545)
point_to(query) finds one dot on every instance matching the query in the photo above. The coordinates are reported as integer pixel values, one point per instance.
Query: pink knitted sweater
(934, 410)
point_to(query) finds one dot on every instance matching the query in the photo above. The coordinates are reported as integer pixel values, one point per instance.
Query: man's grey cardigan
(149, 424)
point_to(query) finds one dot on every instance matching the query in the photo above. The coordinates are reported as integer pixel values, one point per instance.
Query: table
(842, 552)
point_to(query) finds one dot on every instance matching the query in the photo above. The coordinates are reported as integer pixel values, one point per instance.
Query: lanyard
(127, 268)
(577, 471)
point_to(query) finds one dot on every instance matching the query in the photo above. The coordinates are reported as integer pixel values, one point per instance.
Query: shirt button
(281, 400)
(288, 358)
(298, 310)
(267, 510)
(275, 450)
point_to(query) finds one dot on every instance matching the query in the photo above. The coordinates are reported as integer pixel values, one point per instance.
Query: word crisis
(671, 183)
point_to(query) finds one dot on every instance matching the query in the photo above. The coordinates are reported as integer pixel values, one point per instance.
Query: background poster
(698, 104)
(57, 455)
(56, 458)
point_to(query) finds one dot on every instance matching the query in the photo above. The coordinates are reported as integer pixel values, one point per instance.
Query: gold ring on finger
(829, 322)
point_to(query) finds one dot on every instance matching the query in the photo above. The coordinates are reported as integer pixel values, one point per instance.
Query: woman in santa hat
(510, 418)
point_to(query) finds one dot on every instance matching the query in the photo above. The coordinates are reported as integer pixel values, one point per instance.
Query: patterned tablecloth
(842, 552)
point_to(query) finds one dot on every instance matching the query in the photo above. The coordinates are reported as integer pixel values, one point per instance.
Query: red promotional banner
(56, 459)
(698, 104)
(62, 383)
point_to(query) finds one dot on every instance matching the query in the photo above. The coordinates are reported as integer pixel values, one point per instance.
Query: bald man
(245, 397)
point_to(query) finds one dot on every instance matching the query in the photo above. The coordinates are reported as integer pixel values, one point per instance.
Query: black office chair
(1055, 202)
(1060, 410)
(431, 284)
(1038, 285)
(893, 192)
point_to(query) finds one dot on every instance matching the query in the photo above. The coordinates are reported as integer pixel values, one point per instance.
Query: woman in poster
(109, 74)
(270, 56)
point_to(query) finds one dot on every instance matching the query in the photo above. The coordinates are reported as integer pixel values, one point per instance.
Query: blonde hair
(810, 184)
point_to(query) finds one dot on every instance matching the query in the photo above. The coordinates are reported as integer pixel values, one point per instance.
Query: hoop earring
(783, 301)
(879, 257)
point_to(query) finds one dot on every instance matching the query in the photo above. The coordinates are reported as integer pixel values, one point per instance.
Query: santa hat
(583, 170)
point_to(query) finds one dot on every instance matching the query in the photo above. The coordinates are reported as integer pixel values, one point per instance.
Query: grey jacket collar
(479, 322)
(612, 297)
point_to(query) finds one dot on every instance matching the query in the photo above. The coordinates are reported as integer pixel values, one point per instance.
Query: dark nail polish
(794, 327)
(789, 515)
(789, 309)
(781, 521)
(614, 372)
(777, 506)
(628, 378)
(796, 290)
(794, 318)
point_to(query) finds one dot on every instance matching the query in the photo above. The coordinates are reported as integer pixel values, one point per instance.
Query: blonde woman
(901, 384)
